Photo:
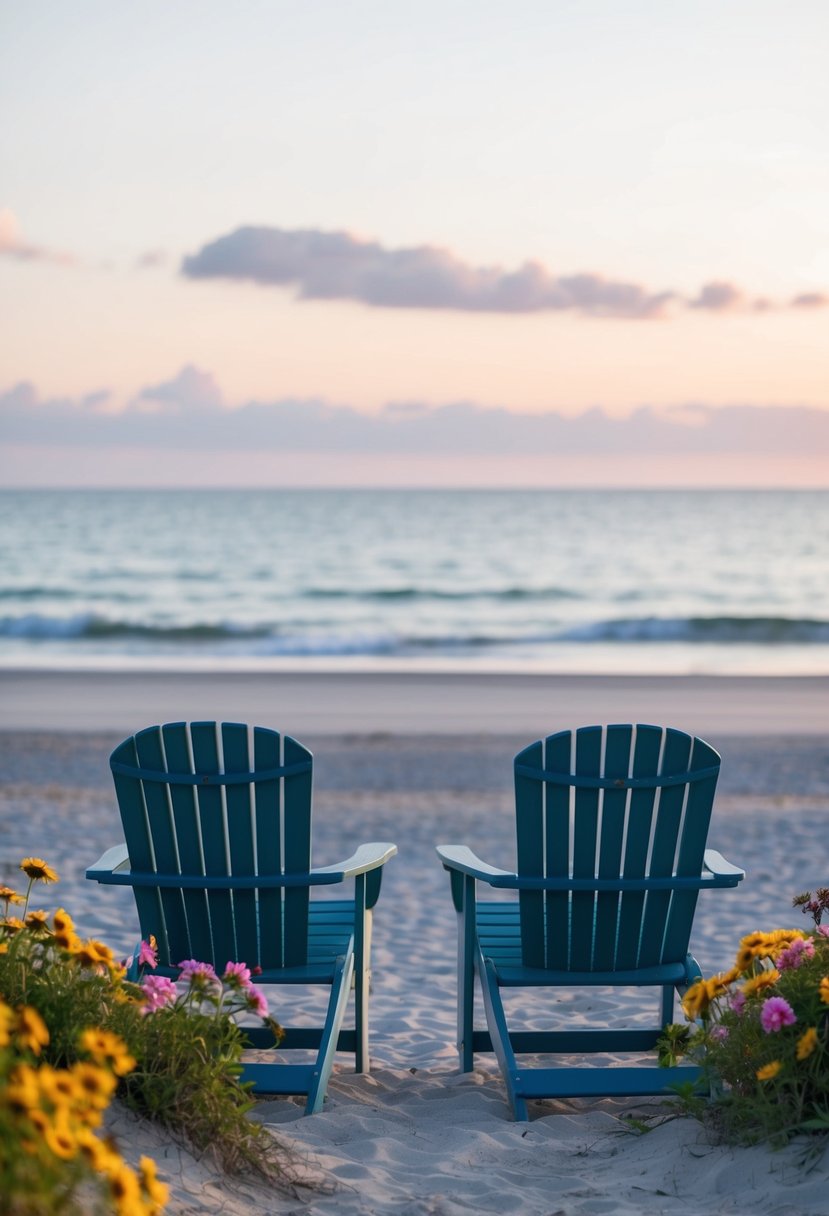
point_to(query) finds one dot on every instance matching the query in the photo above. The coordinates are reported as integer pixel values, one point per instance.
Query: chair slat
(297, 831)
(691, 849)
(150, 753)
(529, 826)
(557, 751)
(188, 842)
(267, 816)
(214, 845)
(235, 751)
(585, 827)
(675, 759)
(614, 807)
(130, 797)
(640, 818)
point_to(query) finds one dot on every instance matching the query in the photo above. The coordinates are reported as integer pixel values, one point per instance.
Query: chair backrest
(630, 802)
(198, 800)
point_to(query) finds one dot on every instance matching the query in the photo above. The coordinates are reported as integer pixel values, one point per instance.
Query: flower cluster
(50, 1116)
(762, 1030)
(233, 992)
(74, 1031)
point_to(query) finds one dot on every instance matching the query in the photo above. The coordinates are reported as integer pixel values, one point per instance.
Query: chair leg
(362, 985)
(499, 1033)
(331, 1032)
(466, 975)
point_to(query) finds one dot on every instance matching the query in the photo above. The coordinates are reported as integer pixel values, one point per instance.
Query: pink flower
(776, 1013)
(158, 991)
(237, 975)
(200, 976)
(719, 1034)
(738, 1001)
(148, 956)
(823, 930)
(256, 1002)
(796, 954)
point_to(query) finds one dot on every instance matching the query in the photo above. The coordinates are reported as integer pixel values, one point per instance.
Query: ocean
(730, 582)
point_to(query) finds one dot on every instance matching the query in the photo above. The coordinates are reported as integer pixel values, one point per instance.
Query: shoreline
(368, 703)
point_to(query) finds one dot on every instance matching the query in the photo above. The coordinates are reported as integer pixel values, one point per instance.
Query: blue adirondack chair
(611, 832)
(218, 853)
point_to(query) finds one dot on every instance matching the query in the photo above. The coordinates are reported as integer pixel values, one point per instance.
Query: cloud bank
(337, 266)
(188, 413)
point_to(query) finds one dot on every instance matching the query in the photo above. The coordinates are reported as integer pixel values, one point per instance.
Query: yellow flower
(60, 1140)
(97, 1154)
(8, 893)
(823, 989)
(32, 1031)
(758, 983)
(38, 921)
(13, 923)
(807, 1043)
(696, 1000)
(57, 1085)
(6, 1017)
(95, 1084)
(93, 954)
(69, 942)
(768, 1071)
(718, 984)
(123, 1183)
(38, 870)
(62, 921)
(22, 1093)
(157, 1192)
(108, 1048)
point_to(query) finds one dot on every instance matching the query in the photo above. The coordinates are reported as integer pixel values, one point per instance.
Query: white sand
(415, 1138)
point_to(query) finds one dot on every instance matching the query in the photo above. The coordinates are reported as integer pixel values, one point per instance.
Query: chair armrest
(716, 864)
(367, 857)
(114, 859)
(461, 859)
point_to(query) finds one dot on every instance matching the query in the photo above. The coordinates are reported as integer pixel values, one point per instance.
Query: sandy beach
(418, 760)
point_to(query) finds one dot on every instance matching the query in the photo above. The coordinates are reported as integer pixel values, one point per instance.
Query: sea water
(571, 581)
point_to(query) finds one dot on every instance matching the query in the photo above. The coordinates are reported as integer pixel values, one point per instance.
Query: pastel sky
(371, 241)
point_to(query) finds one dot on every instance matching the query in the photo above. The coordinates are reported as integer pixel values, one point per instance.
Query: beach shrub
(55, 1088)
(181, 1040)
(760, 1032)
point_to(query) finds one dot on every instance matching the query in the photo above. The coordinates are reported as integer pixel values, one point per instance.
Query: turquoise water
(651, 581)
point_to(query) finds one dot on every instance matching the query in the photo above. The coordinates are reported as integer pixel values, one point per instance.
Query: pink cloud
(12, 244)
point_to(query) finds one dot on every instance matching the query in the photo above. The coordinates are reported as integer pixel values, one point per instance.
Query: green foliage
(58, 1072)
(761, 1034)
(184, 1040)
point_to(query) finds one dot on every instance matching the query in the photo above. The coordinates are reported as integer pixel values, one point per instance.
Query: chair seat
(330, 938)
(499, 936)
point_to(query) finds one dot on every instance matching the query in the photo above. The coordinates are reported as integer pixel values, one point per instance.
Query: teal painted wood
(242, 852)
(173, 926)
(617, 763)
(676, 757)
(585, 835)
(267, 754)
(137, 838)
(529, 830)
(556, 905)
(625, 812)
(297, 832)
(220, 864)
(646, 750)
(214, 845)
